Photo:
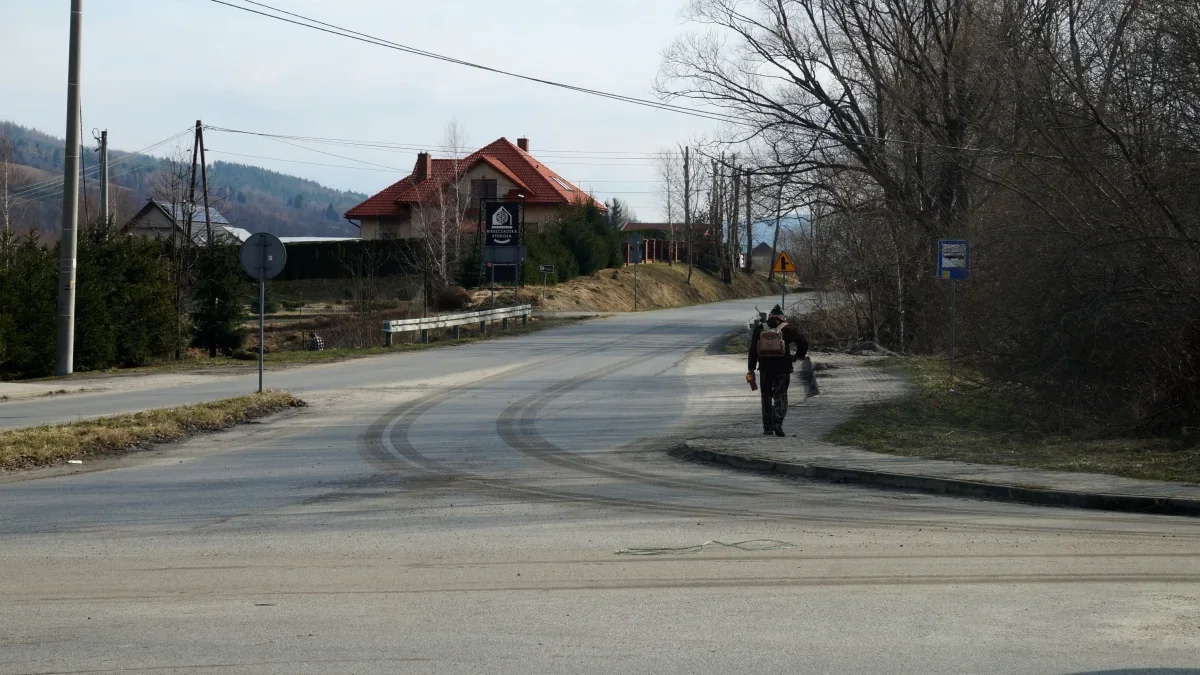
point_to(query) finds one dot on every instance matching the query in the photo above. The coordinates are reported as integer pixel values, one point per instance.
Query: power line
(332, 29)
(26, 190)
(411, 147)
(298, 161)
(365, 168)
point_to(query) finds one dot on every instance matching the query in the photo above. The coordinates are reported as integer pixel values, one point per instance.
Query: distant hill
(257, 199)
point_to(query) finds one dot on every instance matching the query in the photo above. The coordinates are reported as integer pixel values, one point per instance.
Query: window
(483, 188)
(563, 184)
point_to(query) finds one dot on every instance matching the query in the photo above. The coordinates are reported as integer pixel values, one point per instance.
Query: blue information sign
(954, 259)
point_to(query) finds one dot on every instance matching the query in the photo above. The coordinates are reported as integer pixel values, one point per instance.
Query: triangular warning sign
(783, 263)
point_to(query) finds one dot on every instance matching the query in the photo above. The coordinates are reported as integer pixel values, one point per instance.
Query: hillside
(257, 199)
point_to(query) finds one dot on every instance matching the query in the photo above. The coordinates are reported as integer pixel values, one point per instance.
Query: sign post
(263, 257)
(635, 257)
(783, 265)
(954, 263)
(545, 270)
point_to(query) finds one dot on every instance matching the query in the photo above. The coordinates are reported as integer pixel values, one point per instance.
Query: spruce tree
(217, 312)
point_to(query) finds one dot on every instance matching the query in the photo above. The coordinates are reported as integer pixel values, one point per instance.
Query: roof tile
(540, 184)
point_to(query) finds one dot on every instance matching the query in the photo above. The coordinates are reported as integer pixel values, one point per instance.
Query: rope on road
(748, 545)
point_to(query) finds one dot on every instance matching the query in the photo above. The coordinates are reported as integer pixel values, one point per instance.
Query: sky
(152, 68)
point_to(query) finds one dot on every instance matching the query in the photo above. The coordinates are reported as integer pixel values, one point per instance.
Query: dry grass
(659, 286)
(54, 444)
(984, 423)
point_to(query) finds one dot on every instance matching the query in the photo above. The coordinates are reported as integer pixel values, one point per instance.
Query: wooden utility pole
(687, 211)
(190, 206)
(735, 242)
(749, 227)
(104, 215)
(65, 344)
(204, 182)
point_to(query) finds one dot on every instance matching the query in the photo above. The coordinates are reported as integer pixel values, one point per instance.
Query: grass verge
(53, 444)
(988, 424)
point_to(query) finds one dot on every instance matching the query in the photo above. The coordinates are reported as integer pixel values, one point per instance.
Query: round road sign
(263, 256)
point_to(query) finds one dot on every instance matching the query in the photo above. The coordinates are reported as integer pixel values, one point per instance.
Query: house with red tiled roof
(499, 170)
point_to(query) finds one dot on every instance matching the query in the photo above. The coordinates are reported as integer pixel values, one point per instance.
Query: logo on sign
(502, 221)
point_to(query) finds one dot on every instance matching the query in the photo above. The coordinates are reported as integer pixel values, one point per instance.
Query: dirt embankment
(659, 286)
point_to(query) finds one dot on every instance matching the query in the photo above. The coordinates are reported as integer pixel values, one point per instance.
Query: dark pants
(774, 398)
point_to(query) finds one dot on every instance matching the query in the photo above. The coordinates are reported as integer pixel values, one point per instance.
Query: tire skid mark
(387, 446)
(675, 583)
(403, 446)
(517, 426)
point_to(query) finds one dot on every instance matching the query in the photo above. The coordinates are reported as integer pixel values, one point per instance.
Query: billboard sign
(502, 224)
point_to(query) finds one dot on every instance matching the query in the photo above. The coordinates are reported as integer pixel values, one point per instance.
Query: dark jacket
(776, 364)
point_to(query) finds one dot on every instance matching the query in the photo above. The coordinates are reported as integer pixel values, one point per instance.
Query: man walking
(769, 352)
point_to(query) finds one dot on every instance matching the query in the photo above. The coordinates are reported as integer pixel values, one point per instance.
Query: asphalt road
(478, 509)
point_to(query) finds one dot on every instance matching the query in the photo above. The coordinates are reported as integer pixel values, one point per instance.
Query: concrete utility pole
(65, 352)
(104, 177)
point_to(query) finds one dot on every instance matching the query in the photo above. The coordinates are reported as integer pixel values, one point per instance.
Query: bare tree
(437, 252)
(841, 86)
(456, 146)
(5, 161)
(171, 186)
(669, 166)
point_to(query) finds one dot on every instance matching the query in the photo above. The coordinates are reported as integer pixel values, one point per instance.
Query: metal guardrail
(455, 321)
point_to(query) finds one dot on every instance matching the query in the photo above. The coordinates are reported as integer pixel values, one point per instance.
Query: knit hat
(776, 311)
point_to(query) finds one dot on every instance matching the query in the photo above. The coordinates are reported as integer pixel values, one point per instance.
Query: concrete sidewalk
(848, 385)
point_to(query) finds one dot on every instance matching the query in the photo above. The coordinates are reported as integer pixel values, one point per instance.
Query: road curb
(948, 486)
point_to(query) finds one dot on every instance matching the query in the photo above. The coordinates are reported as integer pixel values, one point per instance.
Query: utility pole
(104, 177)
(65, 344)
(204, 181)
(687, 211)
(190, 206)
(735, 242)
(749, 228)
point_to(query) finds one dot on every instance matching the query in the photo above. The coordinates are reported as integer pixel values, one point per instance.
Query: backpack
(770, 341)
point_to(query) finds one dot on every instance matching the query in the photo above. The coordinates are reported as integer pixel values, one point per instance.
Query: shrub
(124, 311)
(217, 313)
(453, 298)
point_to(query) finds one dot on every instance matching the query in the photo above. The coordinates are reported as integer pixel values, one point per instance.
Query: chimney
(424, 167)
(523, 143)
